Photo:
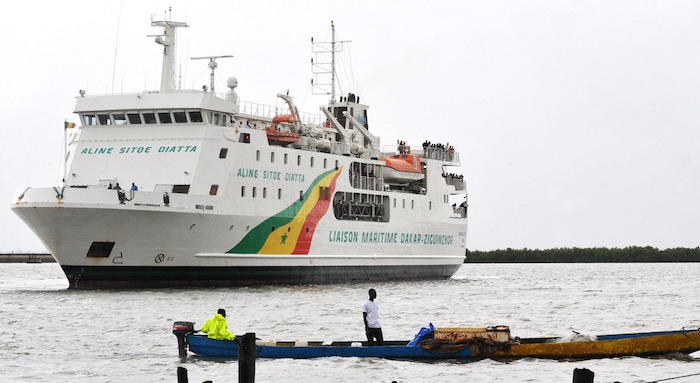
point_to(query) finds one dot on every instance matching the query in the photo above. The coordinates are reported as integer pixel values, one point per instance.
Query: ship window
(403, 203)
(149, 118)
(223, 152)
(196, 116)
(272, 157)
(165, 118)
(430, 205)
(264, 192)
(279, 193)
(339, 114)
(412, 205)
(312, 162)
(134, 118)
(104, 119)
(244, 138)
(242, 191)
(257, 155)
(100, 249)
(325, 163)
(119, 119)
(182, 189)
(336, 164)
(213, 189)
(89, 119)
(285, 158)
(394, 202)
(180, 117)
(255, 191)
(299, 160)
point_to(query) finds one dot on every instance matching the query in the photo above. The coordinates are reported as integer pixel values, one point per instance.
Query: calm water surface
(50, 334)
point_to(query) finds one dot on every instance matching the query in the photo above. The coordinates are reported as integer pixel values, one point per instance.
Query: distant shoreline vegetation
(585, 255)
(558, 255)
(26, 258)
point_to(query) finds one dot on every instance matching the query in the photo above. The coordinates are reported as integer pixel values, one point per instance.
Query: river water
(51, 334)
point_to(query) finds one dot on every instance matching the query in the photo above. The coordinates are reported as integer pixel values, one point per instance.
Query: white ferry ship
(232, 193)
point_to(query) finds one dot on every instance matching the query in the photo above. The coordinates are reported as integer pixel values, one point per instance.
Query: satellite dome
(232, 82)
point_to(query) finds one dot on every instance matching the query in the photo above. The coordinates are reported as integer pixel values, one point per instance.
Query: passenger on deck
(120, 193)
(217, 328)
(402, 147)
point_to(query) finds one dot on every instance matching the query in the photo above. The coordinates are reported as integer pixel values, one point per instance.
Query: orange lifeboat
(402, 168)
(277, 137)
(283, 118)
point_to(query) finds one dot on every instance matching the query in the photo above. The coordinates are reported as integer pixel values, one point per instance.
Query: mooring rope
(675, 377)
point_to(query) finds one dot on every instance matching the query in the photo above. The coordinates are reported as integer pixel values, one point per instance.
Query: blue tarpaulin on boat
(423, 333)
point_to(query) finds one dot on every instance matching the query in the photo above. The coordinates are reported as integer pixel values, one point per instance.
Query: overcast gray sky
(577, 121)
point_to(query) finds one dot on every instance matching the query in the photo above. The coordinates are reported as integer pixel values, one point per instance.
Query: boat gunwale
(518, 348)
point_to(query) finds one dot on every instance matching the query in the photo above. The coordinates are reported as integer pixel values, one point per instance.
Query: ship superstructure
(232, 193)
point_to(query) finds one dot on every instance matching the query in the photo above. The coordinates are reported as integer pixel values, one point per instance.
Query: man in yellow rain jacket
(217, 328)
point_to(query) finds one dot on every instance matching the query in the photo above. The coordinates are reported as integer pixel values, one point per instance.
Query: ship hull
(165, 246)
(125, 277)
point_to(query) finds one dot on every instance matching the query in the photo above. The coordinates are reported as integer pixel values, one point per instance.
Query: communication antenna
(212, 66)
(167, 40)
(116, 44)
(320, 66)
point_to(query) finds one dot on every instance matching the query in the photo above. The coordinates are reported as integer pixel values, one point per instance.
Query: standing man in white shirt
(370, 313)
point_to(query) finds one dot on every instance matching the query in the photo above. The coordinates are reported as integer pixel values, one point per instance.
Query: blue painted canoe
(201, 345)
(602, 346)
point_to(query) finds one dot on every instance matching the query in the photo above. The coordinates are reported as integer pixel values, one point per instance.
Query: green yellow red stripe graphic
(291, 231)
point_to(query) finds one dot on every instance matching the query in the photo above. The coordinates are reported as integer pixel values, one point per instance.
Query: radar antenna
(212, 66)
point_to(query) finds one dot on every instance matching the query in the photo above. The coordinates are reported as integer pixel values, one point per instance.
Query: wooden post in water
(583, 375)
(182, 375)
(246, 358)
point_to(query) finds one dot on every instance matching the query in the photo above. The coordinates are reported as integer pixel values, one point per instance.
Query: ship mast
(320, 67)
(332, 63)
(167, 40)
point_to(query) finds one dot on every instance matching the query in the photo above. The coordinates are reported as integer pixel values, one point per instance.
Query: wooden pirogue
(461, 343)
